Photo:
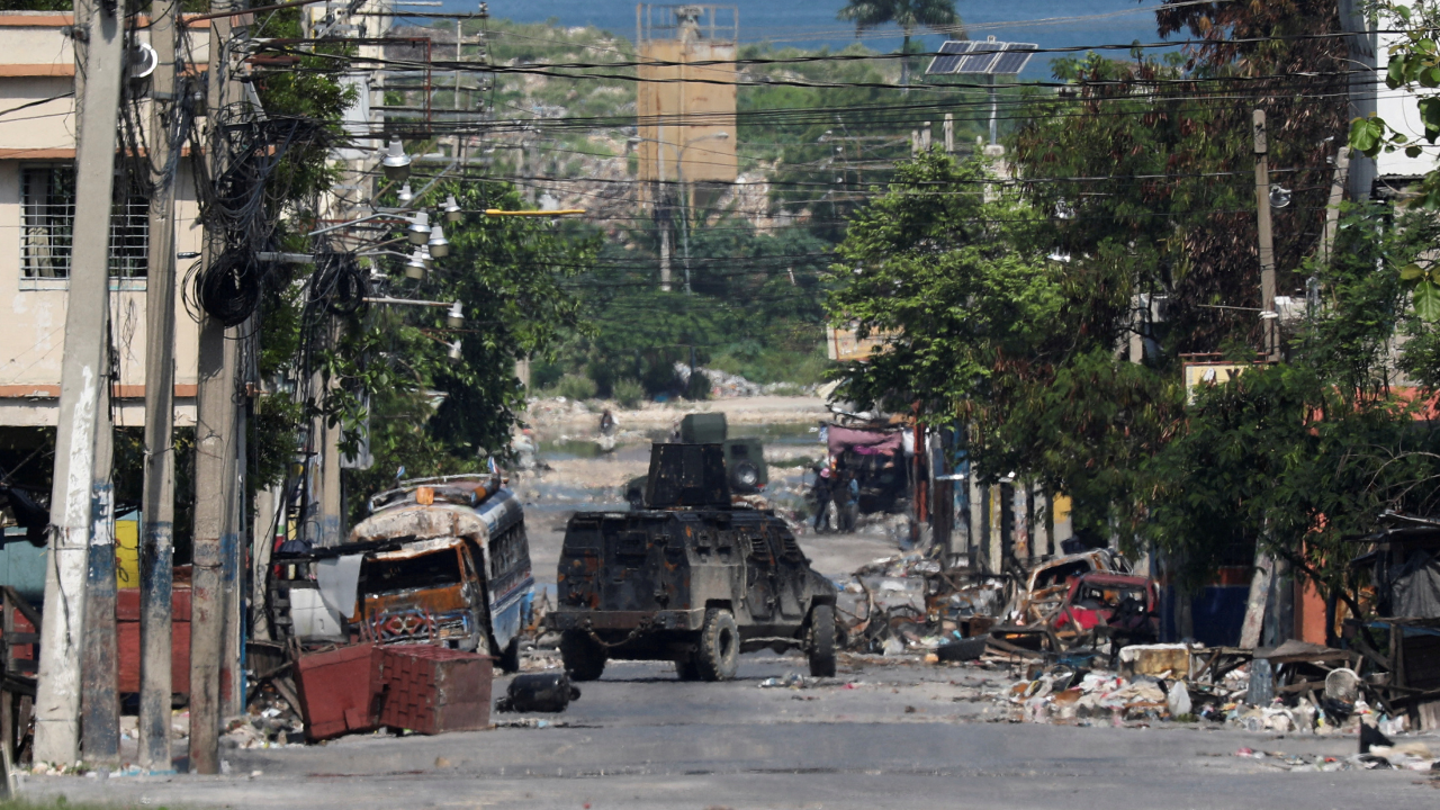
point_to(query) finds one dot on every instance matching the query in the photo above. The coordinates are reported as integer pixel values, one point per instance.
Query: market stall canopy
(864, 442)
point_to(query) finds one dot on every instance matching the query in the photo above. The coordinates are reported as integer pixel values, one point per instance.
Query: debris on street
(539, 692)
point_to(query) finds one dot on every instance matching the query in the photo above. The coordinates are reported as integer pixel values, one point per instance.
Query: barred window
(47, 226)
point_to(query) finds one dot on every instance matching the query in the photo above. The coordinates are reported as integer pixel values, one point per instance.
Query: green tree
(429, 411)
(957, 280)
(909, 15)
(1299, 457)
(1414, 66)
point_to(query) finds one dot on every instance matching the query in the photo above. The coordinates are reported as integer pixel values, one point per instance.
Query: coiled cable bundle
(229, 289)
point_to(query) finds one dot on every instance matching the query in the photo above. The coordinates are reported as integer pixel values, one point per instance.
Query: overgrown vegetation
(756, 274)
(1131, 247)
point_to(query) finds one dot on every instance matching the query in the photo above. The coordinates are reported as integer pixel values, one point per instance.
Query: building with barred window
(37, 227)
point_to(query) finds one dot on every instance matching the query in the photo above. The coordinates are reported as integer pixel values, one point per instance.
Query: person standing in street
(822, 492)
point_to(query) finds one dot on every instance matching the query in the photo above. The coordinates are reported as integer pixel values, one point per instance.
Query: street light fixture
(416, 266)
(396, 164)
(419, 230)
(438, 244)
(456, 317)
(405, 195)
(452, 210)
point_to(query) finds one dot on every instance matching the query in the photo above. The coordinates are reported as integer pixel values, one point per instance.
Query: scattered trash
(792, 680)
(540, 692)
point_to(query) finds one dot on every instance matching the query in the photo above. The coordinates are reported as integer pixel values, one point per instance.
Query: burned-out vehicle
(689, 578)
(1121, 607)
(439, 561)
(1048, 583)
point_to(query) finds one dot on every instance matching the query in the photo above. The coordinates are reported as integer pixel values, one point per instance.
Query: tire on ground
(821, 648)
(584, 658)
(718, 654)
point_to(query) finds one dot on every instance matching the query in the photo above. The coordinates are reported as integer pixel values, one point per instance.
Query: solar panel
(989, 57)
(979, 62)
(1014, 58)
(950, 57)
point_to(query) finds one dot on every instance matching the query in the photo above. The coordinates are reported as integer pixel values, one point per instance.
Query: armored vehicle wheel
(509, 659)
(718, 654)
(686, 669)
(821, 647)
(584, 659)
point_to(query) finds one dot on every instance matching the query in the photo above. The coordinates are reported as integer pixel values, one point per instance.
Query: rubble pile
(1082, 650)
(269, 722)
(725, 385)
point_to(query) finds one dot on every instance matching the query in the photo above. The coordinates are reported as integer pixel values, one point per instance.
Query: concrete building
(37, 207)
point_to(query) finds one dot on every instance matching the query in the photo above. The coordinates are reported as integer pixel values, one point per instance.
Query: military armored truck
(689, 578)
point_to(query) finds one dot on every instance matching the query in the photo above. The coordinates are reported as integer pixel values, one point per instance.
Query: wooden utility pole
(215, 489)
(157, 550)
(1269, 318)
(84, 378)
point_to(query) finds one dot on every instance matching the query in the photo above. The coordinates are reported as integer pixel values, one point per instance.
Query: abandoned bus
(439, 561)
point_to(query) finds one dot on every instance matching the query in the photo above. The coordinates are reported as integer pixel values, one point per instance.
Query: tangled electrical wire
(240, 192)
(338, 285)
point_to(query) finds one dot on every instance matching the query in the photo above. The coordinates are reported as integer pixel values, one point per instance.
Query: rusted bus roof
(408, 521)
(421, 522)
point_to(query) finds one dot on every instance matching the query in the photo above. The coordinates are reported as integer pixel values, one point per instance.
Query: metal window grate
(48, 226)
(47, 221)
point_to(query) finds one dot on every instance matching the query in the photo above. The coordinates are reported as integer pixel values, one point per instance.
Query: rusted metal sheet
(339, 690)
(127, 626)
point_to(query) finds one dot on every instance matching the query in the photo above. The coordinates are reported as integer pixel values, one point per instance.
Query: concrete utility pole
(99, 664)
(82, 417)
(215, 490)
(1337, 196)
(157, 550)
(662, 211)
(1269, 318)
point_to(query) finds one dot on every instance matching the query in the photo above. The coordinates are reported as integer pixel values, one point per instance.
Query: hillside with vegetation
(817, 134)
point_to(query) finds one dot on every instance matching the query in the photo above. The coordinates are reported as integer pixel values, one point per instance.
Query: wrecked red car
(1114, 605)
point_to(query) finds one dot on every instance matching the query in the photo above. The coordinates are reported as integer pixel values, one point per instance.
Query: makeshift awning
(864, 442)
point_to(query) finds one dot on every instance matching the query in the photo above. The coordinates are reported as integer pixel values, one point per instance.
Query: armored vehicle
(689, 578)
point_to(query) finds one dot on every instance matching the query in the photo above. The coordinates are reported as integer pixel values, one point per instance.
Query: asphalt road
(878, 736)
